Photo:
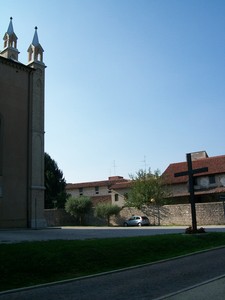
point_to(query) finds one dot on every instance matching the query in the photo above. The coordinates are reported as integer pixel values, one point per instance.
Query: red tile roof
(121, 185)
(215, 164)
(217, 190)
(112, 181)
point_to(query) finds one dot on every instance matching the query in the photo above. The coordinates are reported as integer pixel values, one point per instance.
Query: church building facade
(21, 134)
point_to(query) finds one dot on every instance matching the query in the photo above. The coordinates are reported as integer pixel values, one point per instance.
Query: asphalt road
(80, 233)
(148, 282)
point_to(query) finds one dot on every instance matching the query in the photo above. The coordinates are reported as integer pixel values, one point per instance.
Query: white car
(137, 221)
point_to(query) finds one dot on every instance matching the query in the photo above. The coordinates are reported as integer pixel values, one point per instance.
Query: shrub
(78, 207)
(190, 230)
(106, 210)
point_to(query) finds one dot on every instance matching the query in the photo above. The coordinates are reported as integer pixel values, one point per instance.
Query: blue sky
(129, 83)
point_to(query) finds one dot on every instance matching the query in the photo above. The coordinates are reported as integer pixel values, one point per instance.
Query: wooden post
(190, 172)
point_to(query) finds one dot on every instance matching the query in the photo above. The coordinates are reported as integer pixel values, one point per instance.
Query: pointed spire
(35, 41)
(10, 37)
(10, 28)
(10, 43)
(35, 51)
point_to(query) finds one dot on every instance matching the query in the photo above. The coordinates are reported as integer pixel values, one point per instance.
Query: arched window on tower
(39, 57)
(30, 55)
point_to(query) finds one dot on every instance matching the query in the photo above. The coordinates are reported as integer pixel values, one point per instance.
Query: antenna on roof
(145, 163)
(114, 167)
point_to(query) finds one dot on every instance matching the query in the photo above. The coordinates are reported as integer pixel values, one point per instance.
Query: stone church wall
(207, 214)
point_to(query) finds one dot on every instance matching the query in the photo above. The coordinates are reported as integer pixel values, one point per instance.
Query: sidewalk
(212, 289)
(208, 290)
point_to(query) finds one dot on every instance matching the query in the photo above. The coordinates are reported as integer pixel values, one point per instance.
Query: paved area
(199, 276)
(74, 233)
(210, 290)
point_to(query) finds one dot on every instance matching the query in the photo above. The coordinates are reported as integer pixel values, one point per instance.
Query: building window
(0, 146)
(212, 179)
(1, 150)
(96, 190)
(195, 181)
(116, 197)
(0, 186)
(109, 190)
(81, 191)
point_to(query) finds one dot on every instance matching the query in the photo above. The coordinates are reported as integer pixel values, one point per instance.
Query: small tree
(146, 188)
(78, 207)
(106, 210)
(147, 191)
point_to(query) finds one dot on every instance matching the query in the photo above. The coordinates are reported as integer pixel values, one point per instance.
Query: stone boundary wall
(180, 214)
(58, 217)
(206, 214)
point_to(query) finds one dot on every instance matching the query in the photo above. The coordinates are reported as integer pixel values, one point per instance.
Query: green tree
(106, 210)
(55, 184)
(147, 188)
(78, 207)
(148, 192)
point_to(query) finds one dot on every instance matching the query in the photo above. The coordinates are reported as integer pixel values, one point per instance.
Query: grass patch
(30, 263)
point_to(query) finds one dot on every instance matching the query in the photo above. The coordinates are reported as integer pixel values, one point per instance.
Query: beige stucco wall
(120, 199)
(21, 146)
(117, 196)
(182, 188)
(90, 191)
(14, 110)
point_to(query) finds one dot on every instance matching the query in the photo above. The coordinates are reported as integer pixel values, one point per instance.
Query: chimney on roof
(199, 155)
(111, 178)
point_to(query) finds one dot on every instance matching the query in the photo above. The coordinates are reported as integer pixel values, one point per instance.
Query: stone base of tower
(38, 223)
(36, 218)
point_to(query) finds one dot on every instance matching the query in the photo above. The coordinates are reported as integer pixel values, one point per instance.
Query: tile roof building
(208, 186)
(112, 191)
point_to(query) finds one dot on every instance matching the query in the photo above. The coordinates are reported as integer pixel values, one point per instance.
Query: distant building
(21, 134)
(113, 190)
(208, 186)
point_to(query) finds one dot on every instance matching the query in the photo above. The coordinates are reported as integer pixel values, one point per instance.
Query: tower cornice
(15, 64)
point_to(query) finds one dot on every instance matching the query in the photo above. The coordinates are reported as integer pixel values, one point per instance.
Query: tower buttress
(10, 43)
(35, 61)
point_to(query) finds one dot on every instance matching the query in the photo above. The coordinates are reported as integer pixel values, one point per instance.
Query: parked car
(137, 221)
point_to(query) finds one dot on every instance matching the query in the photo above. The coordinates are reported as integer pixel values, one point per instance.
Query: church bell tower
(22, 89)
